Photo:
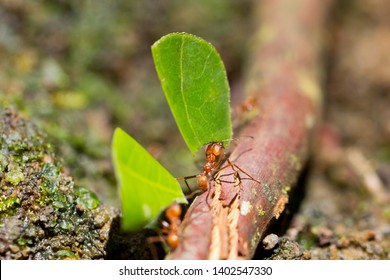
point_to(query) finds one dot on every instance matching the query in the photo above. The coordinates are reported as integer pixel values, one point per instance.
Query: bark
(283, 84)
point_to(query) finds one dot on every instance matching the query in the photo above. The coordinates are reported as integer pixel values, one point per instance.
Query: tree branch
(284, 80)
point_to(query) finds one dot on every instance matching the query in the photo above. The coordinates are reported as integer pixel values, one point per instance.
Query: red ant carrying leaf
(215, 154)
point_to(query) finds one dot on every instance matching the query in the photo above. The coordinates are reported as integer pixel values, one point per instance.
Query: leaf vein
(182, 90)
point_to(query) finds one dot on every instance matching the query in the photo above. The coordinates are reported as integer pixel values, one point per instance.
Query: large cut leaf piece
(146, 187)
(194, 81)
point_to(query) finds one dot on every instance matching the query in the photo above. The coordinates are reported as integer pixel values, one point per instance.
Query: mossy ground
(44, 215)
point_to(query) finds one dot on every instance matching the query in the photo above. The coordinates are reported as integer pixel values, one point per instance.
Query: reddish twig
(285, 82)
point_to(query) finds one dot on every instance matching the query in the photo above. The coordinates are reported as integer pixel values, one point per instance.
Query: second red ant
(169, 228)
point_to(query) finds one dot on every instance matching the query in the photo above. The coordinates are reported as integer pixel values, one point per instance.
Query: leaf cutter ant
(169, 229)
(215, 154)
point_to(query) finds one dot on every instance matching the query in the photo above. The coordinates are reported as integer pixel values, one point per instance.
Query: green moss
(260, 212)
(62, 254)
(43, 213)
(58, 204)
(50, 171)
(14, 175)
(18, 146)
(65, 225)
(306, 243)
(286, 190)
(3, 162)
(255, 239)
(22, 242)
(8, 205)
(86, 199)
(307, 239)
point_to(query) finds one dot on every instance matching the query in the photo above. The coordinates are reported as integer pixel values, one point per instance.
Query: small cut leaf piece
(146, 187)
(194, 81)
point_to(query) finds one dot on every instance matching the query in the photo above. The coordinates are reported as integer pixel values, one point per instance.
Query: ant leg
(252, 179)
(248, 150)
(207, 198)
(228, 182)
(237, 179)
(228, 174)
(236, 166)
(209, 195)
(185, 181)
(194, 193)
(188, 186)
(153, 249)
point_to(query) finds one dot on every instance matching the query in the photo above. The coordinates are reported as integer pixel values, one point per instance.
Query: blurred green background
(79, 69)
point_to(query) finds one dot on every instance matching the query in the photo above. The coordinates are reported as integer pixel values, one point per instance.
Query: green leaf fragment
(195, 84)
(146, 187)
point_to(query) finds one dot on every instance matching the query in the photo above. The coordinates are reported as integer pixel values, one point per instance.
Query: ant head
(203, 182)
(214, 148)
(173, 211)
